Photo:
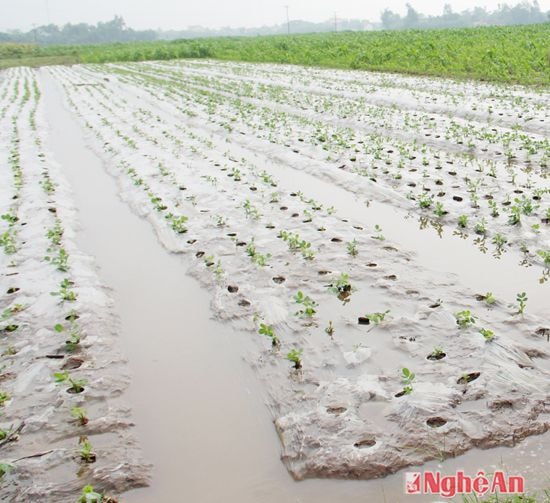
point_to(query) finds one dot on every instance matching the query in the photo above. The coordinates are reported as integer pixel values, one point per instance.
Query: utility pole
(335, 23)
(287, 20)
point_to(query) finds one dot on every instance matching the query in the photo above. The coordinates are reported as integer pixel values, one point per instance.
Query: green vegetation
(90, 496)
(489, 299)
(295, 356)
(308, 305)
(516, 498)
(508, 54)
(521, 299)
(465, 318)
(407, 377)
(86, 453)
(352, 248)
(330, 329)
(487, 334)
(5, 467)
(4, 397)
(377, 318)
(80, 415)
(77, 385)
(268, 331)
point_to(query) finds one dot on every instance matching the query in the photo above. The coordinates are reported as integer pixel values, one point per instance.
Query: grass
(517, 498)
(506, 54)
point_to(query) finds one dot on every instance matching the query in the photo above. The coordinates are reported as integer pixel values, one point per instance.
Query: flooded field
(269, 283)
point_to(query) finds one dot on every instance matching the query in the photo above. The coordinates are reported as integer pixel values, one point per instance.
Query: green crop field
(512, 54)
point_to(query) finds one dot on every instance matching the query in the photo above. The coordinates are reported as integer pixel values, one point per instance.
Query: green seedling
(10, 311)
(342, 287)
(4, 397)
(80, 415)
(5, 467)
(352, 248)
(407, 377)
(7, 241)
(379, 234)
(74, 339)
(494, 208)
(545, 256)
(90, 496)
(72, 315)
(525, 205)
(330, 329)
(425, 201)
(86, 453)
(218, 270)
(75, 334)
(487, 334)
(521, 299)
(55, 233)
(65, 291)
(157, 202)
(9, 351)
(439, 210)
(268, 179)
(499, 241)
(251, 211)
(47, 185)
(295, 243)
(295, 356)
(306, 250)
(76, 385)
(177, 223)
(268, 331)
(257, 258)
(437, 353)
(10, 218)
(514, 218)
(308, 304)
(465, 318)
(236, 174)
(489, 299)
(481, 227)
(377, 318)
(463, 221)
(61, 261)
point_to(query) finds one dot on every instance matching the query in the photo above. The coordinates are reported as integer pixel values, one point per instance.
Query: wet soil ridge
(373, 363)
(62, 422)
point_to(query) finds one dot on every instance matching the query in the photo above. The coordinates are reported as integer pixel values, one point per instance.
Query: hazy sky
(167, 14)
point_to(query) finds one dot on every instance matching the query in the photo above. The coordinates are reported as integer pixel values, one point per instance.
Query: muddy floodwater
(224, 222)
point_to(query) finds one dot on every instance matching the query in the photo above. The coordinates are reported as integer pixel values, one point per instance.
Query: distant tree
(411, 18)
(390, 20)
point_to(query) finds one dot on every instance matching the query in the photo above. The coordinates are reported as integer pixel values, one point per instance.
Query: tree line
(116, 30)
